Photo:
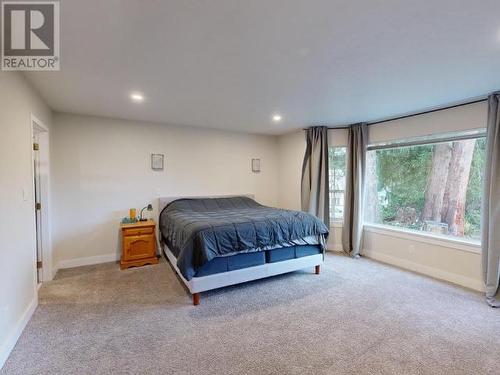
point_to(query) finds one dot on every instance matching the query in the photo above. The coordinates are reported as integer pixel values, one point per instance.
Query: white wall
(291, 148)
(454, 262)
(101, 168)
(18, 299)
(446, 260)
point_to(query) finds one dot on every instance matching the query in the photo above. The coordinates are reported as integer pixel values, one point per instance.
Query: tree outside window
(432, 188)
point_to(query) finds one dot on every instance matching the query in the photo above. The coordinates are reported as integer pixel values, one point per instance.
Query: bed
(213, 242)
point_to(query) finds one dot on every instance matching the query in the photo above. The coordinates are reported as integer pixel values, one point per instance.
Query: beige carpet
(357, 317)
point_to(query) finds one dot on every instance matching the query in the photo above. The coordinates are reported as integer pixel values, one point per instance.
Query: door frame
(39, 127)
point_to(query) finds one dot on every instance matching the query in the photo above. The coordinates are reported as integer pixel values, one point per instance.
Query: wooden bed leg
(317, 269)
(196, 299)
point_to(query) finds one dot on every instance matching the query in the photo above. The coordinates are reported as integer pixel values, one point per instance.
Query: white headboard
(163, 201)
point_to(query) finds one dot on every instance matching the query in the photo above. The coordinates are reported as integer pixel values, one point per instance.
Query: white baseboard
(55, 268)
(426, 270)
(335, 247)
(10, 342)
(87, 261)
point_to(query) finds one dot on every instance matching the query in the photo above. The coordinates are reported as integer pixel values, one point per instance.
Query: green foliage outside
(402, 180)
(475, 191)
(337, 160)
(337, 165)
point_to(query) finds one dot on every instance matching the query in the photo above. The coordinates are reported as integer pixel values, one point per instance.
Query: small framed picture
(157, 162)
(256, 165)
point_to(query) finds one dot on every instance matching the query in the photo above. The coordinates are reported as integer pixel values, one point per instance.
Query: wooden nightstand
(138, 244)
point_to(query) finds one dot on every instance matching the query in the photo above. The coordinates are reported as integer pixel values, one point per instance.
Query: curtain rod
(484, 99)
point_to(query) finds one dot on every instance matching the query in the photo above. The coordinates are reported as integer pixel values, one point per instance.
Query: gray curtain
(352, 231)
(491, 205)
(315, 197)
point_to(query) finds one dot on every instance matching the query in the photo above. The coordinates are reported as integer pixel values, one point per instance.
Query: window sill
(454, 243)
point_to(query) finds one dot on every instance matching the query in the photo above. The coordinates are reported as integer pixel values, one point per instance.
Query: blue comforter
(198, 230)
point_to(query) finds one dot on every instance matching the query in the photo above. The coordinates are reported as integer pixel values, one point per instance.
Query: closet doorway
(41, 173)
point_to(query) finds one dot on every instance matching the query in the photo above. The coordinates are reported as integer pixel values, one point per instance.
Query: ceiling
(232, 64)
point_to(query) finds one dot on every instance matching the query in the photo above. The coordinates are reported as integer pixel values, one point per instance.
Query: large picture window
(337, 165)
(434, 187)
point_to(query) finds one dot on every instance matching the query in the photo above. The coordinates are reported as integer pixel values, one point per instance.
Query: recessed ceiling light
(277, 118)
(137, 97)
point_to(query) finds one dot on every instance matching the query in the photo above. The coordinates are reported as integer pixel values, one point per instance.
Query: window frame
(429, 139)
(460, 243)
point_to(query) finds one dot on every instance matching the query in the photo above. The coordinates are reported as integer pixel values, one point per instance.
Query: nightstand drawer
(138, 231)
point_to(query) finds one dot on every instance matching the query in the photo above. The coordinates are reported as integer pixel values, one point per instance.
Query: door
(37, 205)
(137, 247)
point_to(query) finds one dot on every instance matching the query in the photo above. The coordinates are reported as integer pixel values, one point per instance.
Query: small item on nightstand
(132, 214)
(149, 207)
(127, 220)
